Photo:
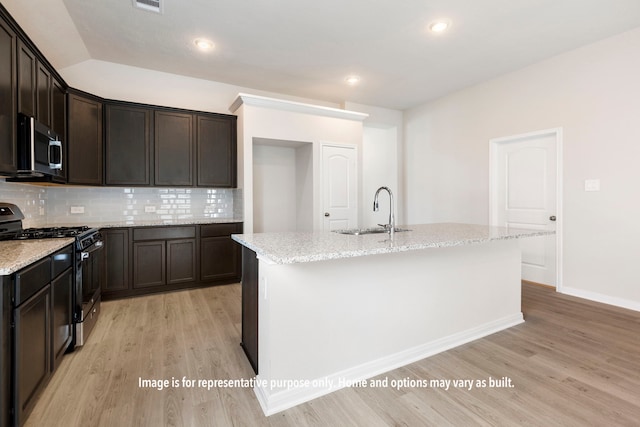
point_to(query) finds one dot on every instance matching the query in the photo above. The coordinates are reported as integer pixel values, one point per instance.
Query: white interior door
(525, 196)
(339, 187)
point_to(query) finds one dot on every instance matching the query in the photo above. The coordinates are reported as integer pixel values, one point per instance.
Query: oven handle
(55, 144)
(91, 249)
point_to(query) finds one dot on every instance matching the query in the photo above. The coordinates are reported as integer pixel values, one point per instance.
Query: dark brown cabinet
(164, 256)
(31, 351)
(216, 151)
(127, 145)
(163, 147)
(115, 269)
(43, 94)
(42, 327)
(250, 306)
(142, 260)
(84, 148)
(173, 149)
(27, 86)
(8, 116)
(181, 261)
(220, 256)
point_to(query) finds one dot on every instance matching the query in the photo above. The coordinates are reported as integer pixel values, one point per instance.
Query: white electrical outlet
(77, 209)
(591, 185)
(149, 209)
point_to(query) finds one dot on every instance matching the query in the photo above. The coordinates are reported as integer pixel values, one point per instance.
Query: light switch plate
(77, 209)
(591, 185)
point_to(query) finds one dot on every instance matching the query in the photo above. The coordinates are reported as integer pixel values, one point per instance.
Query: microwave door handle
(55, 144)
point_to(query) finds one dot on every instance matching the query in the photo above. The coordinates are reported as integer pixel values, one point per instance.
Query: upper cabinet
(27, 64)
(216, 151)
(84, 153)
(174, 149)
(8, 116)
(127, 145)
(109, 142)
(147, 145)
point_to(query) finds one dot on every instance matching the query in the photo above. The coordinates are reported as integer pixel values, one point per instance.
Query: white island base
(325, 323)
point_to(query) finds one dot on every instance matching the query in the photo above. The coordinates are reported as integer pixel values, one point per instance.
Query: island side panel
(250, 306)
(355, 318)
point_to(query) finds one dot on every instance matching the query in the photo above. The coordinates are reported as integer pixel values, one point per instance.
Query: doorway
(526, 192)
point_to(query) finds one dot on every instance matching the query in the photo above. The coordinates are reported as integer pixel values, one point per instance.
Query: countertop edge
(342, 254)
(39, 251)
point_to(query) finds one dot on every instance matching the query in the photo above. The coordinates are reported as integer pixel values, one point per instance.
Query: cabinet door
(84, 152)
(174, 149)
(127, 145)
(31, 347)
(149, 264)
(26, 80)
(8, 119)
(61, 312)
(216, 144)
(116, 260)
(219, 258)
(181, 261)
(59, 109)
(43, 94)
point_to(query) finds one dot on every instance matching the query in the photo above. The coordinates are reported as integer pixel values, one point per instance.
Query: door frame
(319, 218)
(494, 144)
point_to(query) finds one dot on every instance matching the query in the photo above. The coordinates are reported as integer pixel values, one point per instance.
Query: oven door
(88, 289)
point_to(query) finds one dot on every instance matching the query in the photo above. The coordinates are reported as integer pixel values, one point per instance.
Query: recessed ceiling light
(352, 80)
(203, 44)
(439, 26)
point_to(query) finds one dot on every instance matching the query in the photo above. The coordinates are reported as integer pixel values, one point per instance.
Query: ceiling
(306, 49)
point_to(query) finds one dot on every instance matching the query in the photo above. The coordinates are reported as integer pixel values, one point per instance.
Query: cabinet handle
(327, 214)
(552, 218)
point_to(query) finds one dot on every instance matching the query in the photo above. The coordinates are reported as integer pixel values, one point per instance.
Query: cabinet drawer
(164, 233)
(31, 279)
(215, 230)
(62, 260)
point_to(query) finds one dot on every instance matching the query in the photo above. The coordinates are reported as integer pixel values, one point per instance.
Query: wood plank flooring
(572, 363)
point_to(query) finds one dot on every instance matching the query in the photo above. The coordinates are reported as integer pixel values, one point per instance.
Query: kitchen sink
(361, 231)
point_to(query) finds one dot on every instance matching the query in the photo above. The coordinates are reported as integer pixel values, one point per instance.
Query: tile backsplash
(67, 205)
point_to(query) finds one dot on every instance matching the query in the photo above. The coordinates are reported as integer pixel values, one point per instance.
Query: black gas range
(88, 242)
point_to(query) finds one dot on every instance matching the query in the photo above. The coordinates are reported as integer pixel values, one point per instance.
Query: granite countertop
(299, 247)
(16, 254)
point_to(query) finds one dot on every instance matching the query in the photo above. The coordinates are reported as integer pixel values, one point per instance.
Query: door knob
(327, 214)
(552, 218)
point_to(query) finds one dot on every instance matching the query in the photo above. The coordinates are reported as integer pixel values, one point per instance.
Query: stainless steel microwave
(39, 150)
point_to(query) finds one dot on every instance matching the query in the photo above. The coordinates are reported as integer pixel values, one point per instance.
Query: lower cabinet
(32, 358)
(42, 327)
(220, 256)
(142, 260)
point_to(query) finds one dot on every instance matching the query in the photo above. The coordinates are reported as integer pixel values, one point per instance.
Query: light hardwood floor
(572, 363)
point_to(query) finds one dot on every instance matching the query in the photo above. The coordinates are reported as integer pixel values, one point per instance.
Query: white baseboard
(605, 299)
(274, 401)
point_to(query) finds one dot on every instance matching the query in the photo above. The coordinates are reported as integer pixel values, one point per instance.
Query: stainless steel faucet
(392, 220)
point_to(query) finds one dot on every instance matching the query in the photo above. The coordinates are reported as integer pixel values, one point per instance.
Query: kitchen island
(324, 310)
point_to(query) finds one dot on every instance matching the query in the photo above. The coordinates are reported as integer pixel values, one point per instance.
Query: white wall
(257, 122)
(274, 188)
(593, 93)
(384, 128)
(379, 168)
